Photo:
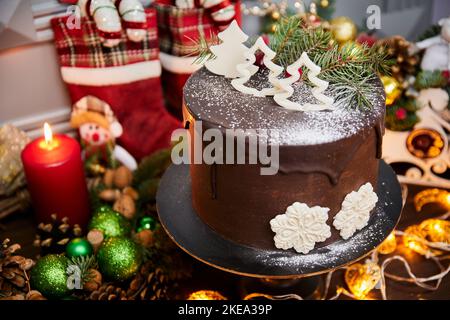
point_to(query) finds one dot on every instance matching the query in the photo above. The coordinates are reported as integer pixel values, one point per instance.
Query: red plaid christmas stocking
(126, 76)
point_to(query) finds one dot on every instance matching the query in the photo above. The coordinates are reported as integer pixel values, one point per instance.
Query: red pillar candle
(55, 178)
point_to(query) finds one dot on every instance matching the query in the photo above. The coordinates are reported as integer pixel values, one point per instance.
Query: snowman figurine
(437, 49)
(98, 129)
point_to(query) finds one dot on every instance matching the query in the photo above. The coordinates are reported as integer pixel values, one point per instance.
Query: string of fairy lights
(273, 11)
(430, 238)
(265, 7)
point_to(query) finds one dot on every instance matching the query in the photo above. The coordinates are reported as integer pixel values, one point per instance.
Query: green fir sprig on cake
(349, 69)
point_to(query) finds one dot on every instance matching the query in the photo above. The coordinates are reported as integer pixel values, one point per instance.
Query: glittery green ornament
(49, 276)
(110, 222)
(119, 258)
(78, 247)
(146, 223)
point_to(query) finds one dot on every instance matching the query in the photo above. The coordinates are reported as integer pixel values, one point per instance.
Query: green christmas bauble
(49, 276)
(119, 258)
(79, 247)
(146, 223)
(110, 222)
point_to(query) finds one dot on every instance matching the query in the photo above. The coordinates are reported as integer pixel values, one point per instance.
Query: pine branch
(349, 69)
(201, 48)
(292, 38)
(85, 264)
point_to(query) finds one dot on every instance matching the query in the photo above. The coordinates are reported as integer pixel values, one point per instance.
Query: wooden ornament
(95, 238)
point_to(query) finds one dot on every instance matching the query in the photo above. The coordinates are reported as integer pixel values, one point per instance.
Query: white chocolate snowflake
(300, 227)
(355, 210)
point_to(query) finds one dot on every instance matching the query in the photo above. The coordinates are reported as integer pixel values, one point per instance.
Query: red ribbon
(110, 35)
(134, 25)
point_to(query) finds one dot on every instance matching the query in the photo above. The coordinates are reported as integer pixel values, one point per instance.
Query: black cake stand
(192, 235)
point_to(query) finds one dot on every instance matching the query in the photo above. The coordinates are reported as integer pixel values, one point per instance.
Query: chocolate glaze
(213, 181)
(323, 157)
(379, 128)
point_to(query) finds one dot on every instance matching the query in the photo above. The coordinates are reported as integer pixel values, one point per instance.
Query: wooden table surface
(20, 228)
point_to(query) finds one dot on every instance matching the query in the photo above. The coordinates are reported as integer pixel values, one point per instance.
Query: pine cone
(145, 285)
(405, 64)
(13, 270)
(108, 291)
(53, 237)
(149, 285)
(31, 295)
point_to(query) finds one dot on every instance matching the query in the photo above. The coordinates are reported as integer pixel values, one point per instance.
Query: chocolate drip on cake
(213, 181)
(379, 128)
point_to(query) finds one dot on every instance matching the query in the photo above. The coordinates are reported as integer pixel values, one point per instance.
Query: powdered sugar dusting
(213, 99)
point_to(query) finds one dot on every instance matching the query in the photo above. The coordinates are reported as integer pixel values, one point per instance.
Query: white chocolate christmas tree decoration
(248, 69)
(229, 53)
(281, 98)
(134, 19)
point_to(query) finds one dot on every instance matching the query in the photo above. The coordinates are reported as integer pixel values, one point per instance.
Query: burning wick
(48, 134)
(48, 142)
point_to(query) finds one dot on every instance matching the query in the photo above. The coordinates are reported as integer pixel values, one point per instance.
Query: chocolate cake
(323, 157)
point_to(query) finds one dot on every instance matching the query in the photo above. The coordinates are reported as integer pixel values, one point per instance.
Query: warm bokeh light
(362, 278)
(435, 195)
(412, 240)
(436, 230)
(206, 295)
(389, 245)
(448, 199)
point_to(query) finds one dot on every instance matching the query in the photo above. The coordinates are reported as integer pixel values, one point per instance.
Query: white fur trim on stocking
(112, 75)
(176, 64)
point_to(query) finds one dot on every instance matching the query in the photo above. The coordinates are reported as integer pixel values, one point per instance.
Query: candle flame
(48, 134)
